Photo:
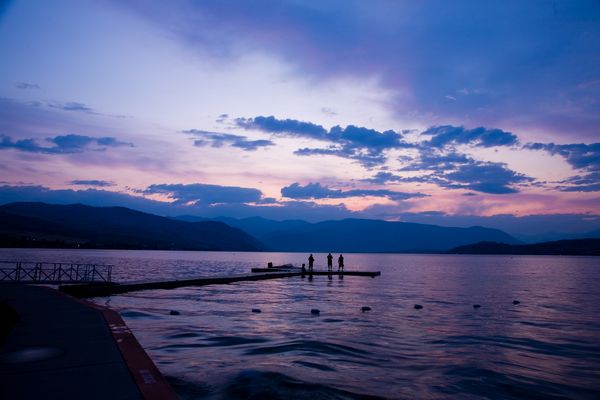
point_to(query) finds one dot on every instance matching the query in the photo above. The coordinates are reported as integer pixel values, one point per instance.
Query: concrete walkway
(63, 348)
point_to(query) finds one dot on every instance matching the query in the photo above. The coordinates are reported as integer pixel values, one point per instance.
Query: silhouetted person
(341, 263)
(303, 268)
(329, 262)
(311, 262)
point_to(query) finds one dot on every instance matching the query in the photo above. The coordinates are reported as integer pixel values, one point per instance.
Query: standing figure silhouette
(311, 262)
(329, 262)
(341, 263)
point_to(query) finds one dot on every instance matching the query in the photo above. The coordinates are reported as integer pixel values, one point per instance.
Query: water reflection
(544, 347)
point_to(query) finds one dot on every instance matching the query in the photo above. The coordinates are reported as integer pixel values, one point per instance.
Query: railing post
(37, 274)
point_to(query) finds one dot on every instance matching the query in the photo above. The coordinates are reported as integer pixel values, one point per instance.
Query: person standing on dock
(329, 262)
(341, 263)
(311, 262)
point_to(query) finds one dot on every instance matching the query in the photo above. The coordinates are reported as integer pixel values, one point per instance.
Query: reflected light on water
(544, 347)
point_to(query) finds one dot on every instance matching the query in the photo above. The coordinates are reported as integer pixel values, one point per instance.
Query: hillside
(576, 247)
(362, 235)
(77, 225)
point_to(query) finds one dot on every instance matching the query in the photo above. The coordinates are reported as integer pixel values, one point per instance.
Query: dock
(97, 290)
(64, 348)
(371, 274)
(108, 289)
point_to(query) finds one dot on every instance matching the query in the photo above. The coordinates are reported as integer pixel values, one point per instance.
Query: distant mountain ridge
(78, 225)
(361, 235)
(573, 247)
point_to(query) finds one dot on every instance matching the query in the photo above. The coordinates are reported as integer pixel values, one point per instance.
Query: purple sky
(454, 113)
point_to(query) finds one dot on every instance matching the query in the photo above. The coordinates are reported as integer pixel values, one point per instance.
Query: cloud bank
(62, 144)
(367, 146)
(317, 191)
(215, 139)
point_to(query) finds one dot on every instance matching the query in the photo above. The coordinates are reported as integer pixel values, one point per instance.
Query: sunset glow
(469, 112)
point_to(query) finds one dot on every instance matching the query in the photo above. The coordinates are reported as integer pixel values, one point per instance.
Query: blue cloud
(585, 157)
(204, 194)
(216, 139)
(447, 134)
(356, 136)
(73, 106)
(368, 158)
(581, 183)
(91, 182)
(485, 177)
(317, 191)
(579, 155)
(462, 172)
(436, 161)
(25, 85)
(62, 144)
(364, 145)
(440, 163)
(383, 177)
(290, 127)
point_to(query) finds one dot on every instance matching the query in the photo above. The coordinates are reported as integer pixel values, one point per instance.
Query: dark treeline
(575, 247)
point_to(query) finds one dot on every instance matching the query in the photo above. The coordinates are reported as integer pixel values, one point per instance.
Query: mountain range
(82, 226)
(360, 235)
(78, 225)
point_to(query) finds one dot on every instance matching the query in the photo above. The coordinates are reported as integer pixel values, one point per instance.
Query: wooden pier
(107, 289)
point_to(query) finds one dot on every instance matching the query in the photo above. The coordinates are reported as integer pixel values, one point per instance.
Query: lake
(547, 346)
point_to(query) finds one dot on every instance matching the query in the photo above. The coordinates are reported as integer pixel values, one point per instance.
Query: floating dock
(64, 348)
(96, 290)
(371, 274)
(107, 289)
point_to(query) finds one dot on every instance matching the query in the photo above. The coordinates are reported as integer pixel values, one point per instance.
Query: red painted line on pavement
(148, 378)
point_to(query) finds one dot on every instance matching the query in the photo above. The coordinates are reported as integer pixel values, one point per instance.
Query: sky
(454, 113)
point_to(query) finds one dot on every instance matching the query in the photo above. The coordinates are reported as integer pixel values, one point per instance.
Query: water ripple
(311, 347)
(544, 348)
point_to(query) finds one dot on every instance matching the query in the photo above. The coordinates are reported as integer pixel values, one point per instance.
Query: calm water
(546, 347)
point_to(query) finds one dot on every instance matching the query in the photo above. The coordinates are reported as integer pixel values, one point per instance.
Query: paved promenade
(62, 348)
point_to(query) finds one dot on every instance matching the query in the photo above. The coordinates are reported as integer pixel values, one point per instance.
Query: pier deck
(371, 274)
(98, 290)
(63, 348)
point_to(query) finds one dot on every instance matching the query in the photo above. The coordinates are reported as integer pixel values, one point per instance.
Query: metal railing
(45, 272)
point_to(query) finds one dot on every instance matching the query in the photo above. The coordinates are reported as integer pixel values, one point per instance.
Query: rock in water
(515, 302)
(315, 311)
(174, 312)
(256, 310)
(365, 308)
(418, 306)
(476, 306)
